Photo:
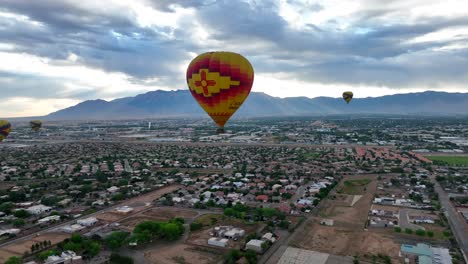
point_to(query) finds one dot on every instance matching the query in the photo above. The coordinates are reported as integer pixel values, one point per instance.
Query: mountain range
(179, 103)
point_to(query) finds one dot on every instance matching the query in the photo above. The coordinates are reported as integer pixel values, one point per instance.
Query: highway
(459, 227)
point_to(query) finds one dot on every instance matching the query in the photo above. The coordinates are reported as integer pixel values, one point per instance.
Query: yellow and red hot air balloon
(220, 82)
(348, 96)
(5, 129)
(35, 125)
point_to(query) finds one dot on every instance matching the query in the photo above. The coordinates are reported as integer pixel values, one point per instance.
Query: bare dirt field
(347, 242)
(182, 253)
(110, 217)
(23, 246)
(150, 197)
(348, 237)
(169, 213)
(345, 214)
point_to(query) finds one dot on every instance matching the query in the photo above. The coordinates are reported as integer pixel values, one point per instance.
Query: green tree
(72, 246)
(420, 232)
(116, 239)
(18, 222)
(118, 197)
(93, 248)
(283, 224)
(14, 260)
(76, 238)
(251, 256)
(21, 213)
(397, 229)
(172, 231)
(232, 256)
(408, 231)
(195, 226)
(50, 201)
(6, 208)
(44, 255)
(118, 259)
(230, 212)
(430, 233)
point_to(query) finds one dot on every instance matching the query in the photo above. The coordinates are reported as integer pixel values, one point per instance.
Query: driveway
(405, 222)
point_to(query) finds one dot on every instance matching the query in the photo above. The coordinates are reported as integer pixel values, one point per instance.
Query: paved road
(404, 221)
(459, 227)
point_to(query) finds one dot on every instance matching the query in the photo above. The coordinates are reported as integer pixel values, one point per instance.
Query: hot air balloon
(5, 129)
(220, 82)
(348, 96)
(35, 125)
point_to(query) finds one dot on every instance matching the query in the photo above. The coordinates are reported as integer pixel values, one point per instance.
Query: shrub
(420, 232)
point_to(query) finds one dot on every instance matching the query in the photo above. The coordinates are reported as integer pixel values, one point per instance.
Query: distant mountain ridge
(180, 103)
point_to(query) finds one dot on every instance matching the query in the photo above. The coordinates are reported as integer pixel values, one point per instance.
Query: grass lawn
(210, 219)
(354, 186)
(450, 160)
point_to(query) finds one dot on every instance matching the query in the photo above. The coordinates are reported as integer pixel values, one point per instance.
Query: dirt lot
(343, 213)
(183, 252)
(150, 197)
(169, 213)
(20, 247)
(110, 217)
(347, 237)
(343, 241)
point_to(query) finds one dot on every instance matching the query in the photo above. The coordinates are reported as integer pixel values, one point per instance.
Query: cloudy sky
(56, 53)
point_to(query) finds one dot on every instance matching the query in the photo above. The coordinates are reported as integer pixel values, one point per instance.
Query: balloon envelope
(35, 125)
(5, 129)
(220, 82)
(348, 96)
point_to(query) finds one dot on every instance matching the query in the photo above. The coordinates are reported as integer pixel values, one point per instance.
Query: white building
(124, 209)
(48, 219)
(90, 221)
(218, 242)
(66, 257)
(72, 228)
(255, 245)
(38, 209)
(234, 233)
(113, 189)
(269, 237)
(11, 231)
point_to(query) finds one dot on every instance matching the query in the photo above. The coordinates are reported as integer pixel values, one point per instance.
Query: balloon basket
(220, 130)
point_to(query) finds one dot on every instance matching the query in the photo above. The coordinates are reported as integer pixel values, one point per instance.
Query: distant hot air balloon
(35, 125)
(5, 129)
(348, 96)
(220, 82)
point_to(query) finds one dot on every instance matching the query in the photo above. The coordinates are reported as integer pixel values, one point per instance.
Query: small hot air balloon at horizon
(348, 96)
(35, 125)
(220, 82)
(5, 129)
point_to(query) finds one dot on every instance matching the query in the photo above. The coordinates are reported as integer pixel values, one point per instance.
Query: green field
(354, 186)
(449, 160)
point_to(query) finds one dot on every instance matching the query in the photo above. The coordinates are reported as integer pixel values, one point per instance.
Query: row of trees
(40, 246)
(146, 232)
(258, 214)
